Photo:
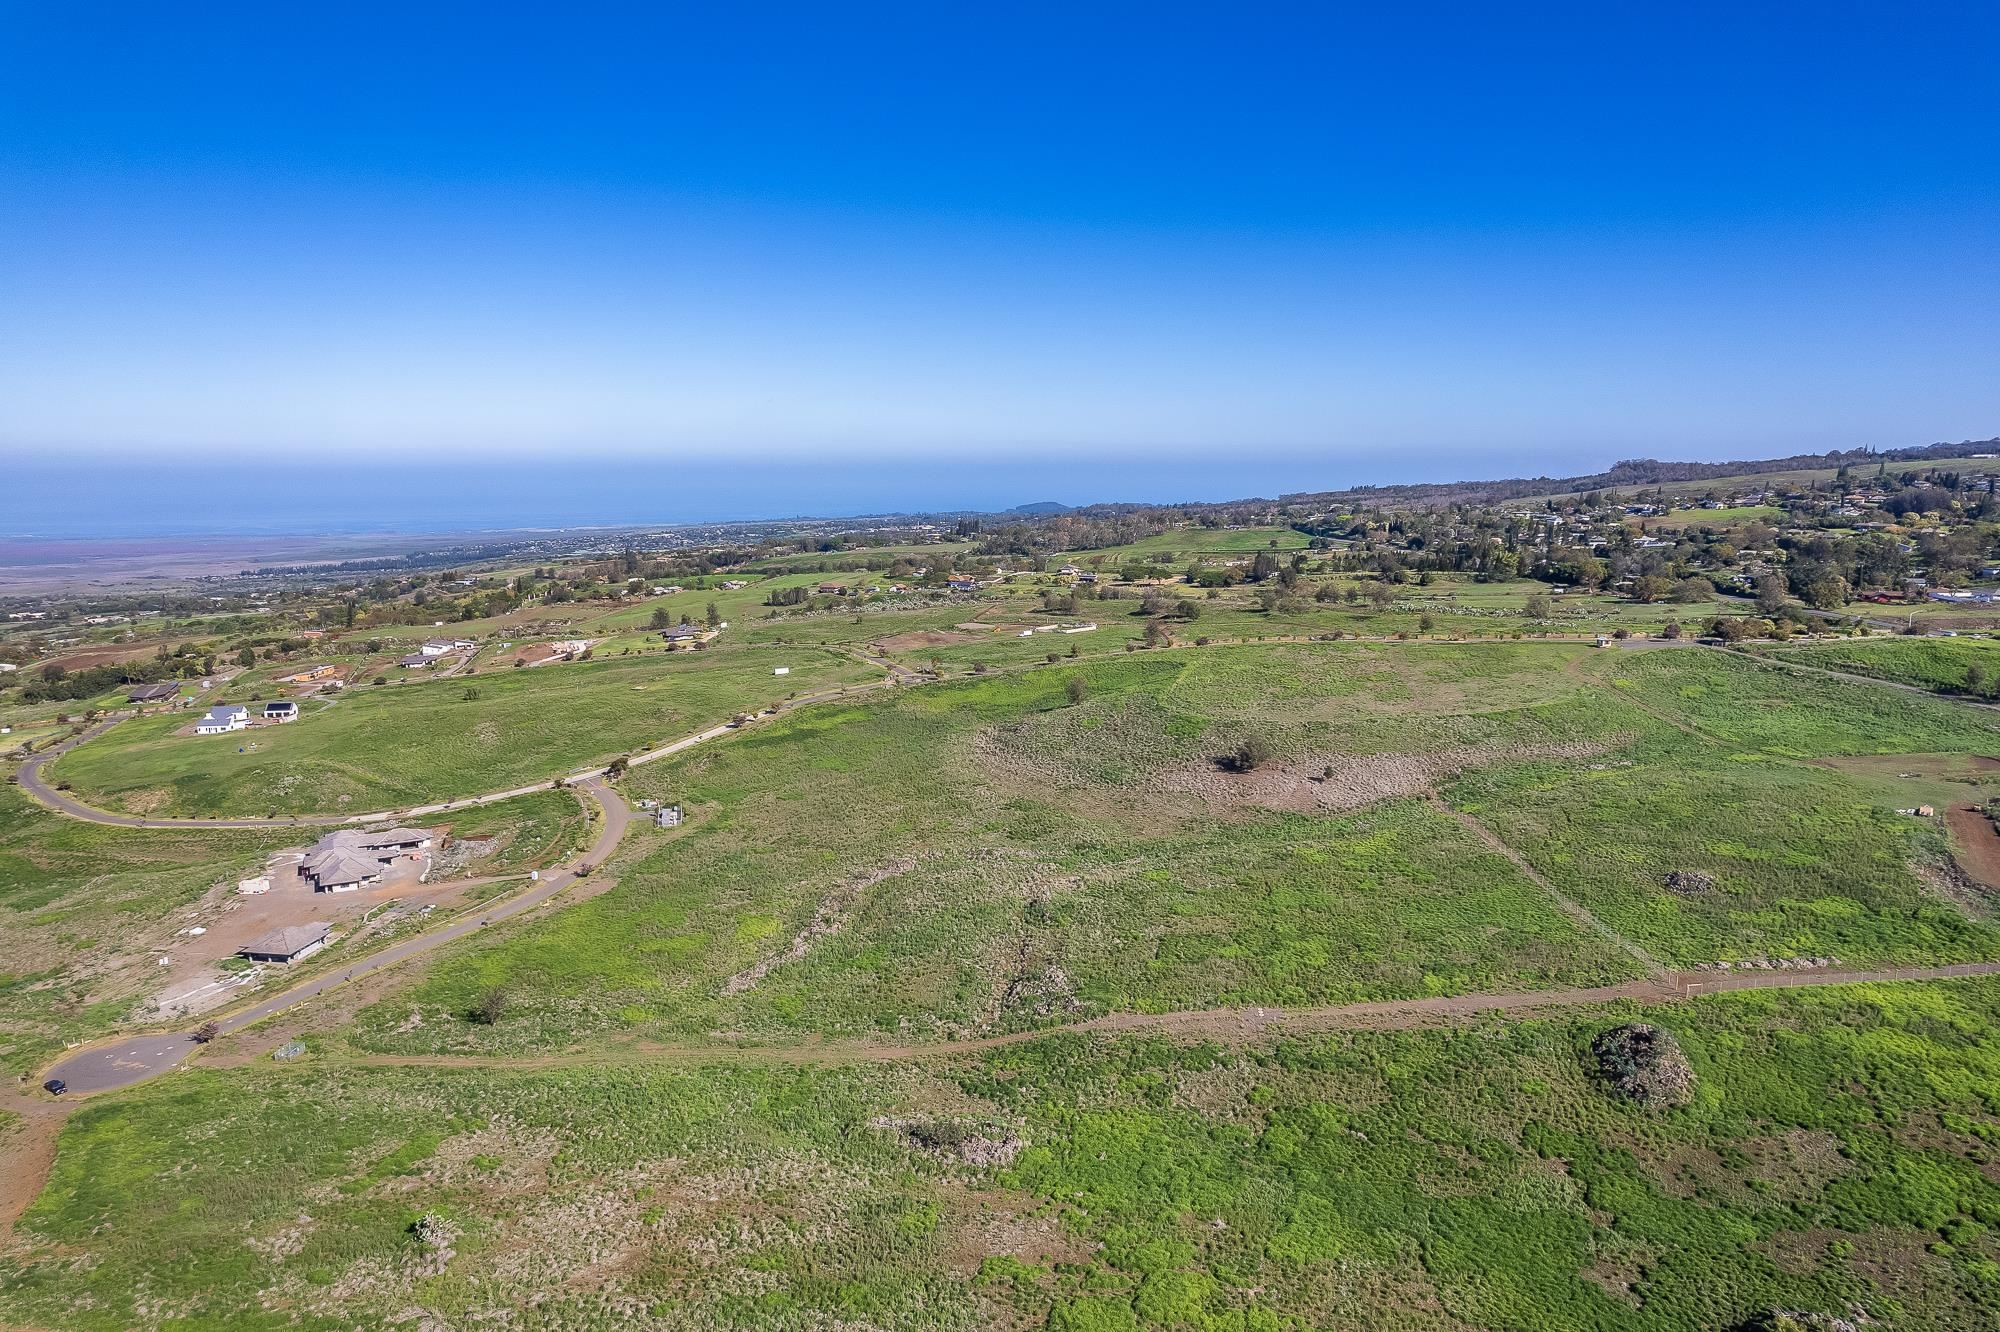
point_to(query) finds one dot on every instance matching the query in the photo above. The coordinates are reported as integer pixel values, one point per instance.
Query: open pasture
(1835, 1155)
(988, 855)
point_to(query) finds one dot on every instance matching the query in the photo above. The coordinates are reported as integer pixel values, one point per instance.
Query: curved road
(120, 1063)
(31, 780)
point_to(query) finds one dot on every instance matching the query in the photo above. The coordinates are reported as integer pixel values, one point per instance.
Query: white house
(223, 717)
(438, 647)
(282, 710)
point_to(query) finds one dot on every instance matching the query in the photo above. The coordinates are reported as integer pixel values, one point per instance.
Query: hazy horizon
(159, 496)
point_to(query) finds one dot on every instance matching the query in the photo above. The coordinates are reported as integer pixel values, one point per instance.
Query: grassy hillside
(991, 856)
(382, 748)
(1943, 664)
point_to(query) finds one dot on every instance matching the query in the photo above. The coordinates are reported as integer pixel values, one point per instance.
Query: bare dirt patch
(1345, 781)
(1975, 845)
(917, 640)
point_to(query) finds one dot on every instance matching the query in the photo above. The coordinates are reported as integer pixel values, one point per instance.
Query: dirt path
(1572, 908)
(1205, 1024)
(1576, 669)
(28, 1148)
(1777, 658)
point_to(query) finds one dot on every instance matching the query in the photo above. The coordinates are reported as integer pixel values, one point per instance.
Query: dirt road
(1215, 1023)
(123, 1062)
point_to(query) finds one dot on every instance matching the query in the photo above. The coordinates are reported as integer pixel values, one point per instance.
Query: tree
(714, 615)
(247, 658)
(1381, 596)
(491, 1006)
(1156, 634)
(1538, 606)
(1770, 594)
(661, 619)
(1251, 752)
(1672, 629)
(1650, 588)
(1076, 689)
(1690, 591)
(1828, 592)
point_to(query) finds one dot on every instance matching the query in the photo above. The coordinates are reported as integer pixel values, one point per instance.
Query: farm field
(1445, 609)
(1195, 541)
(408, 744)
(1834, 1155)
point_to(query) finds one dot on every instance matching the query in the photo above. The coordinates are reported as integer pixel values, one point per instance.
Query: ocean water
(168, 495)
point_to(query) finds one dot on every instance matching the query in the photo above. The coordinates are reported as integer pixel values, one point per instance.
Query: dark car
(55, 1086)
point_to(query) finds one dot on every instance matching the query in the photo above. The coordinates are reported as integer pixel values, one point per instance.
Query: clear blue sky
(1476, 239)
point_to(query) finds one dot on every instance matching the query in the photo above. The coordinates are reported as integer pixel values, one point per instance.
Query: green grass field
(998, 858)
(408, 744)
(712, 1098)
(1943, 664)
(1835, 1158)
(1194, 541)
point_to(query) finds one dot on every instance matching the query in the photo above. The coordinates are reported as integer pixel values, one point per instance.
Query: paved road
(134, 1059)
(33, 783)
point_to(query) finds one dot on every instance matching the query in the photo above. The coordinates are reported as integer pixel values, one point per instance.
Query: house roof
(146, 693)
(339, 865)
(281, 705)
(289, 939)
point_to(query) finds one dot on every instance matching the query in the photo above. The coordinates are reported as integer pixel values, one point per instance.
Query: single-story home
(416, 660)
(290, 943)
(281, 710)
(439, 647)
(344, 860)
(153, 693)
(679, 633)
(338, 870)
(223, 717)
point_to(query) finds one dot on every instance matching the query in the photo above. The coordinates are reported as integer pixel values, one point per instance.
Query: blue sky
(1468, 239)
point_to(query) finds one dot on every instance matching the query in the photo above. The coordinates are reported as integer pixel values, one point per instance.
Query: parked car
(55, 1086)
